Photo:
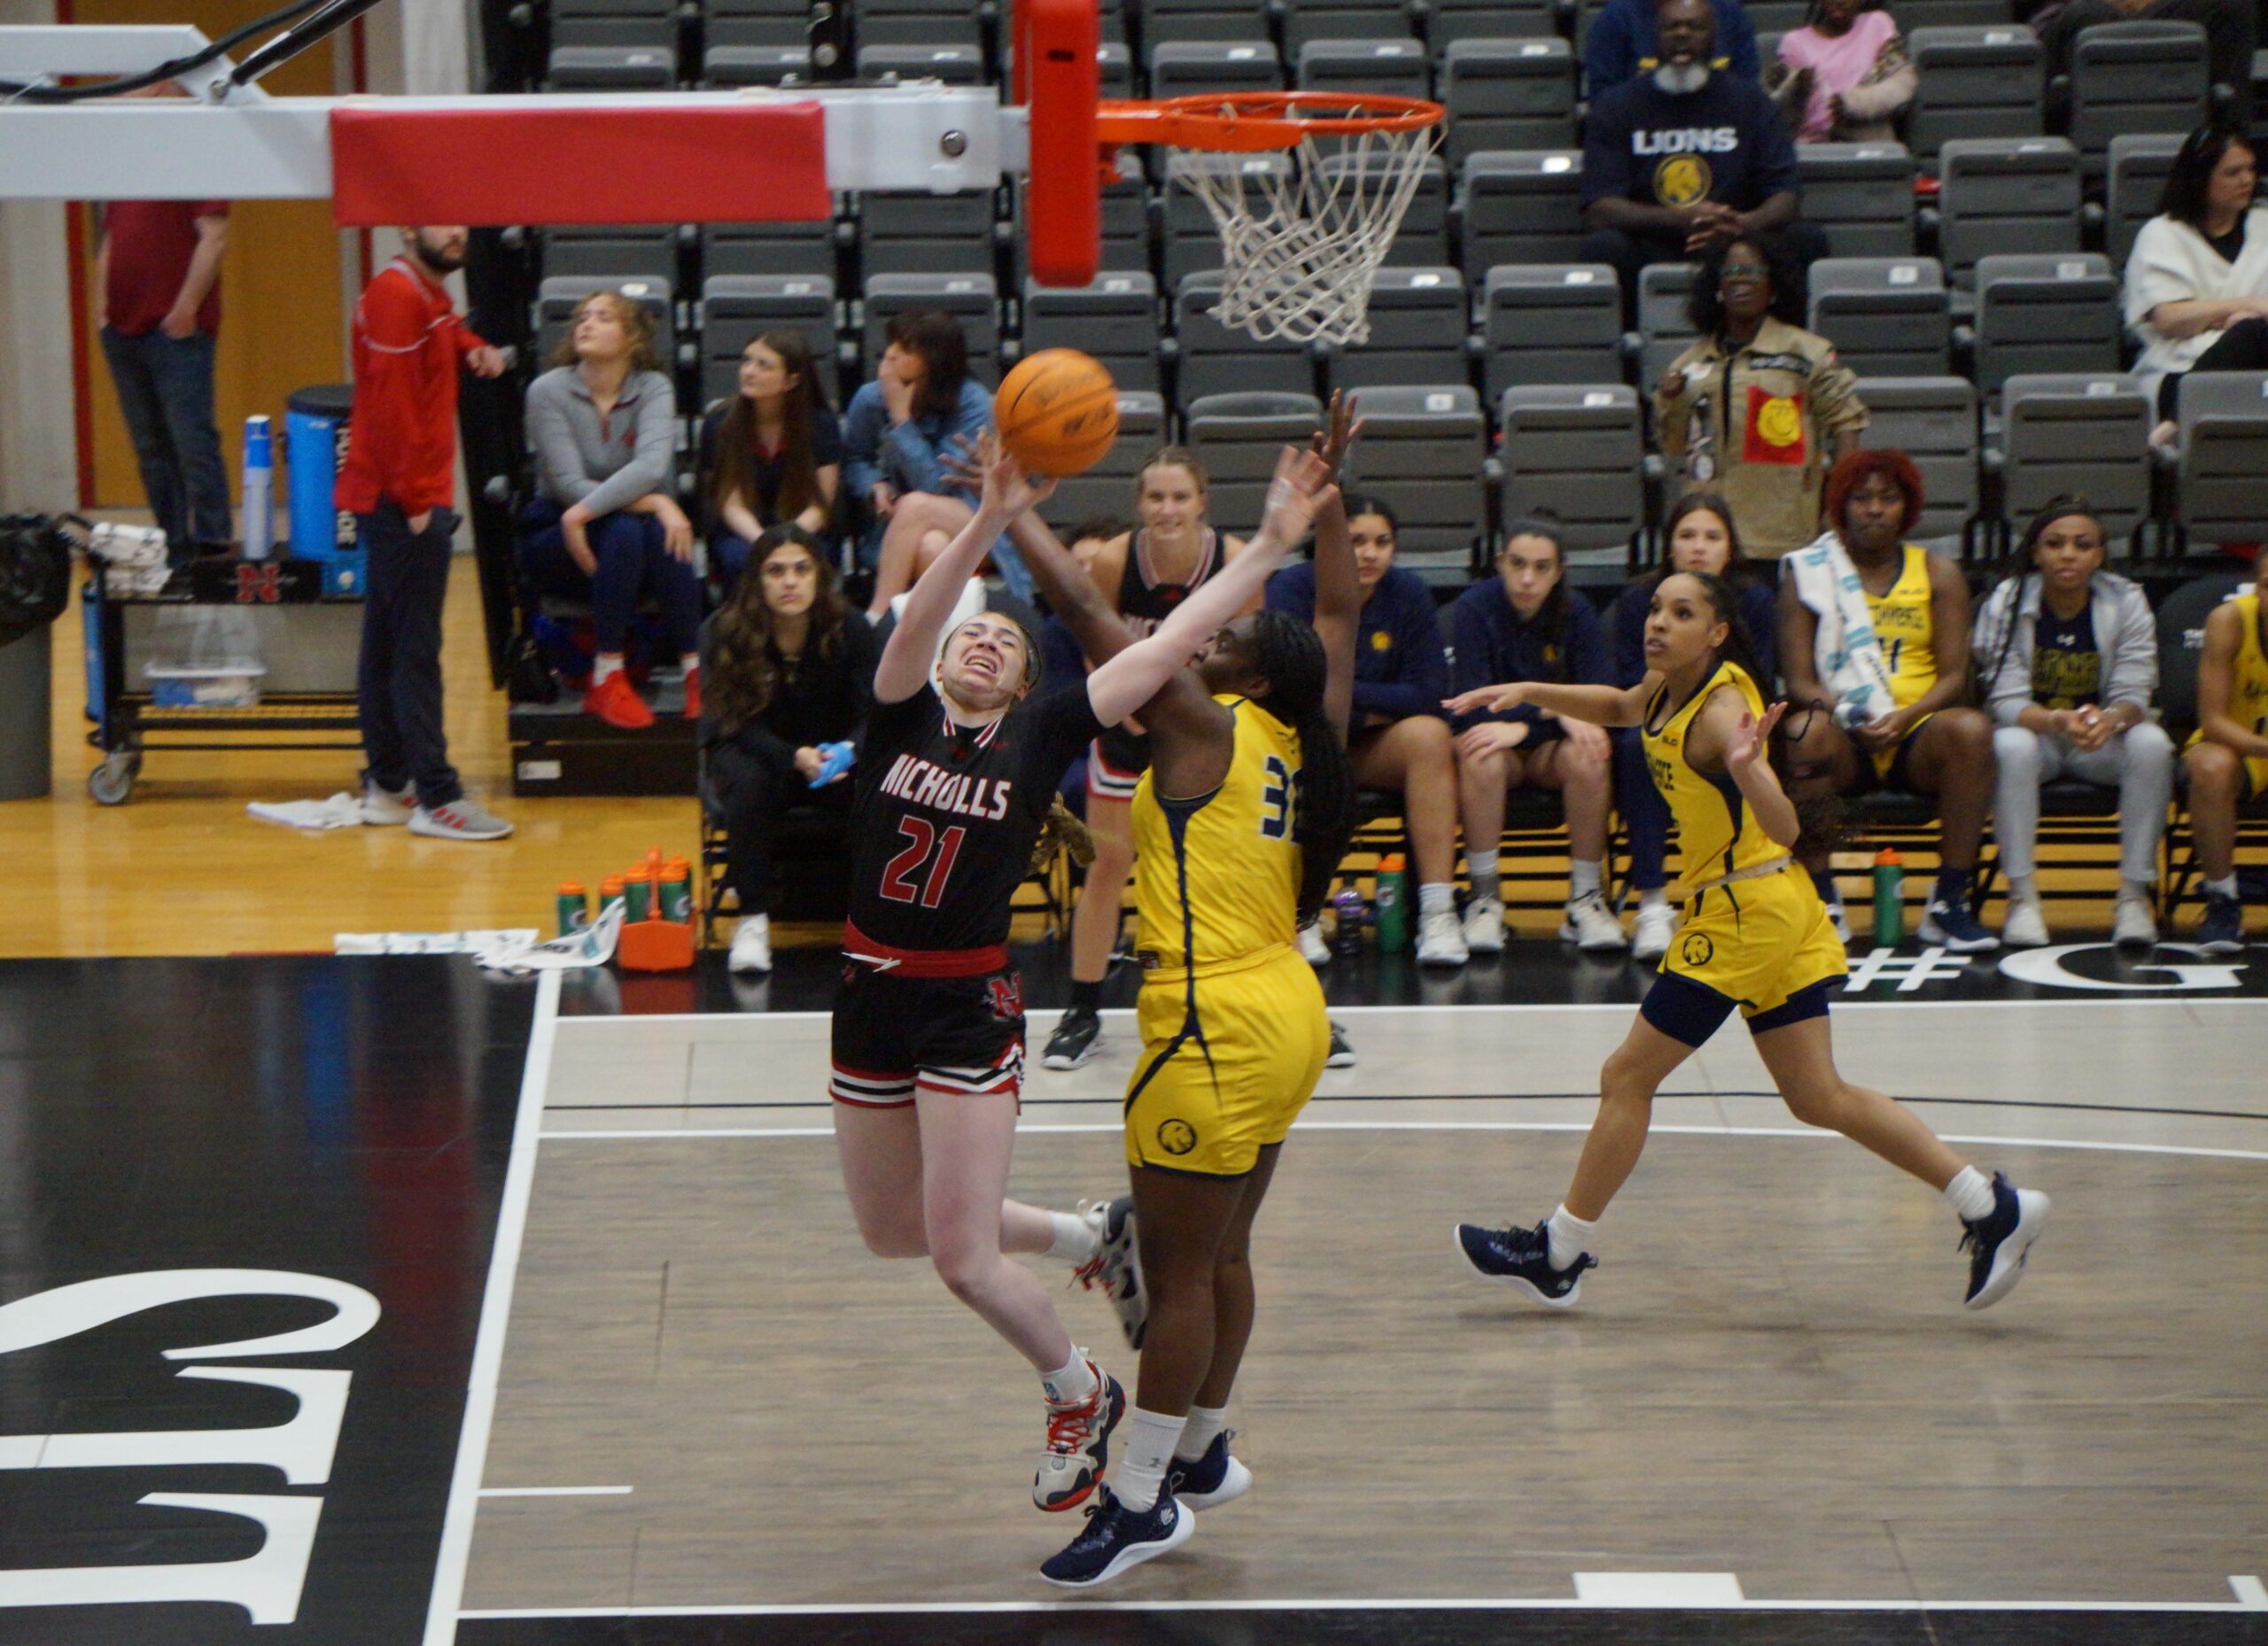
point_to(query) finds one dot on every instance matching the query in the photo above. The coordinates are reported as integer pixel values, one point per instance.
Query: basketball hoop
(1307, 215)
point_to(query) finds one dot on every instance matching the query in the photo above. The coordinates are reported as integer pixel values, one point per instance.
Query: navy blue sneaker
(2222, 930)
(1117, 1537)
(1950, 923)
(1998, 1243)
(1209, 1481)
(1521, 1258)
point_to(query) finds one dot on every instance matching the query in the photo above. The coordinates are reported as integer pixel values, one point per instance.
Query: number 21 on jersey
(921, 837)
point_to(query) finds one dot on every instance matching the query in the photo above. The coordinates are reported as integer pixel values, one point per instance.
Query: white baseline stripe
(495, 1311)
(1658, 1588)
(901, 1608)
(2249, 1591)
(556, 1491)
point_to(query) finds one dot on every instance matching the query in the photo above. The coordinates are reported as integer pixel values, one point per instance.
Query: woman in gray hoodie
(2068, 654)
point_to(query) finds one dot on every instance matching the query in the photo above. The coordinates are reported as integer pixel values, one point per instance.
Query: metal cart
(307, 618)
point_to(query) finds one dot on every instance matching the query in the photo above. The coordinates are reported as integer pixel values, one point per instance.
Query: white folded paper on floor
(341, 810)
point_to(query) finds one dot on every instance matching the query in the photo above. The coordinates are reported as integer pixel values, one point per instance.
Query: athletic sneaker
(1657, 925)
(616, 701)
(1521, 1258)
(1077, 1037)
(1951, 924)
(1078, 1445)
(1313, 950)
(1441, 940)
(1484, 926)
(1840, 920)
(2222, 930)
(388, 808)
(1209, 1481)
(1116, 1266)
(1998, 1242)
(1117, 1537)
(751, 949)
(462, 819)
(2135, 918)
(2026, 927)
(1342, 1050)
(1589, 925)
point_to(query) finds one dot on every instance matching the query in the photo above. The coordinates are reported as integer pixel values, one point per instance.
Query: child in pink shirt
(1844, 76)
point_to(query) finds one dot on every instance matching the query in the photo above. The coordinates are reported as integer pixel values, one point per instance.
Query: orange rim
(1248, 123)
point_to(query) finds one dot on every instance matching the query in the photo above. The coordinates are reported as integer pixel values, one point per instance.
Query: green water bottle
(574, 907)
(677, 891)
(1392, 904)
(1890, 899)
(637, 898)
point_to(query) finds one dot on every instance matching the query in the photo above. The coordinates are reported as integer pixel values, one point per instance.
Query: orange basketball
(1056, 412)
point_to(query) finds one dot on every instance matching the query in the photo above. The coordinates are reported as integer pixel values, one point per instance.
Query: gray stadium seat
(2085, 433)
(1450, 20)
(1164, 20)
(1886, 316)
(1394, 68)
(1423, 240)
(755, 66)
(1191, 242)
(1308, 21)
(1237, 437)
(767, 249)
(1550, 323)
(1114, 319)
(916, 23)
(1913, 14)
(1183, 68)
(972, 299)
(2141, 75)
(609, 250)
(612, 69)
(735, 309)
(955, 63)
(2223, 491)
(926, 234)
(2044, 312)
(2139, 167)
(1973, 82)
(1664, 330)
(1217, 361)
(642, 23)
(1126, 233)
(1933, 420)
(1579, 452)
(2006, 195)
(1422, 453)
(1507, 94)
(1860, 195)
(557, 298)
(1115, 68)
(735, 24)
(1522, 207)
(1107, 490)
(1777, 17)
(1419, 321)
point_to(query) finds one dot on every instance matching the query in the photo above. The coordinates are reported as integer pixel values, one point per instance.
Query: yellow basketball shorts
(1755, 945)
(1229, 1059)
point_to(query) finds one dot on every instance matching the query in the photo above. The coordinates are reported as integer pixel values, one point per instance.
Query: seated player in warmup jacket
(2227, 757)
(956, 780)
(1756, 937)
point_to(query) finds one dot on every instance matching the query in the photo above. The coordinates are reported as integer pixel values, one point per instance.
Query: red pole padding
(644, 162)
(1063, 194)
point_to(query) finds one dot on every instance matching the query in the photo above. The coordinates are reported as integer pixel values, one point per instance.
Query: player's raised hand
(1340, 430)
(1488, 699)
(1752, 737)
(1009, 489)
(1301, 487)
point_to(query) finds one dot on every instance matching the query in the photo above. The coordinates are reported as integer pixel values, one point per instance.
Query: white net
(1304, 233)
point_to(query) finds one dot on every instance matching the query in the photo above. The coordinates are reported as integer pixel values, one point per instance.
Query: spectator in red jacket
(398, 481)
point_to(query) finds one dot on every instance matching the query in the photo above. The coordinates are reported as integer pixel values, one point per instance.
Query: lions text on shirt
(1725, 142)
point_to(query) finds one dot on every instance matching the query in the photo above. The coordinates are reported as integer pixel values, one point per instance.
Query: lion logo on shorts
(1681, 180)
(1176, 1137)
(1697, 949)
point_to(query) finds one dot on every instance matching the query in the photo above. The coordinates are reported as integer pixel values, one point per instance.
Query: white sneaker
(2026, 927)
(1441, 940)
(751, 949)
(462, 819)
(388, 808)
(1484, 926)
(1840, 922)
(2135, 921)
(1657, 924)
(1313, 950)
(1590, 926)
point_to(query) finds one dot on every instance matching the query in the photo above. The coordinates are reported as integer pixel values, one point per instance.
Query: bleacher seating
(1190, 241)
(1217, 361)
(2139, 165)
(1421, 453)
(926, 234)
(1522, 207)
(1887, 316)
(2222, 478)
(971, 298)
(1507, 94)
(2142, 75)
(605, 251)
(1239, 437)
(1308, 20)
(1450, 20)
(1860, 195)
(2048, 312)
(1389, 67)
(732, 24)
(648, 24)
(1424, 238)
(1169, 20)
(1114, 319)
(768, 249)
(612, 69)
(960, 63)
(735, 309)
(916, 23)
(724, 66)
(1664, 330)
(1107, 490)
(557, 296)
(1579, 451)
(2085, 433)
(1933, 420)
(2006, 195)
(1974, 84)
(1419, 320)
(1181, 69)
(1550, 323)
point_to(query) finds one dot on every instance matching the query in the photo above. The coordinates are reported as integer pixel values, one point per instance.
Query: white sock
(1150, 1440)
(1197, 1435)
(1583, 879)
(691, 661)
(606, 665)
(1970, 1194)
(2225, 885)
(2144, 889)
(1075, 1240)
(1654, 897)
(1438, 898)
(1074, 1380)
(1570, 1237)
(2024, 886)
(1481, 865)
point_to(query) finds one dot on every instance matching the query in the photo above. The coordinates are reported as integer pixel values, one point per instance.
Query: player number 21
(897, 881)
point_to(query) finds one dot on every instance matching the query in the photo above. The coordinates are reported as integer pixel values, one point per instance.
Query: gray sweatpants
(2139, 763)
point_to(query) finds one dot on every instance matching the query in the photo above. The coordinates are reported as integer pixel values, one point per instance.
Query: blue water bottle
(259, 489)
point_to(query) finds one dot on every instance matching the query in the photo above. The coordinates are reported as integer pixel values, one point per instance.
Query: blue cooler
(316, 446)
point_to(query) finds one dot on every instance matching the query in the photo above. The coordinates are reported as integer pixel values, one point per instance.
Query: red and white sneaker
(1078, 1446)
(1116, 1266)
(462, 819)
(616, 701)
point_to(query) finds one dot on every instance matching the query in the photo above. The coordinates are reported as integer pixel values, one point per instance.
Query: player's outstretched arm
(1070, 593)
(1337, 591)
(1726, 735)
(1601, 705)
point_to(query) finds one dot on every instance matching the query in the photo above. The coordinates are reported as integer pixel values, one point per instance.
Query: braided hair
(1289, 656)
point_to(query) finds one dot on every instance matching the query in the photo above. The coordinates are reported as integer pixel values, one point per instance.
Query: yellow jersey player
(1931, 743)
(1756, 938)
(2227, 757)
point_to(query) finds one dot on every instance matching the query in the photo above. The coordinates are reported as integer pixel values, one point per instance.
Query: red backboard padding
(631, 162)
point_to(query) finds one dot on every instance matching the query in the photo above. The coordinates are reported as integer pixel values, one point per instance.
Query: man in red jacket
(399, 480)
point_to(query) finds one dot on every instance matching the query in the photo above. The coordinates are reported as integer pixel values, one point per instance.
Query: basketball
(1056, 412)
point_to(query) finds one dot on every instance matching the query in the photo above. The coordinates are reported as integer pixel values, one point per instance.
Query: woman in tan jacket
(1758, 408)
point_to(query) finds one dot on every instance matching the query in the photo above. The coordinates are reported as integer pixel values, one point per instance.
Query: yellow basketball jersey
(1217, 879)
(1901, 620)
(1716, 829)
(2249, 673)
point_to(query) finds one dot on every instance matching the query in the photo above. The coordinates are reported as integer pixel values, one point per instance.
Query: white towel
(1844, 651)
(593, 945)
(341, 810)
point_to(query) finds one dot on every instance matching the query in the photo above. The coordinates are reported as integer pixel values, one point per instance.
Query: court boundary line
(454, 1555)
(828, 1609)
